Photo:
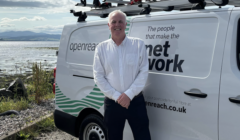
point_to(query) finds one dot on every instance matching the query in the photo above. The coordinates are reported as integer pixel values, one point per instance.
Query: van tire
(92, 128)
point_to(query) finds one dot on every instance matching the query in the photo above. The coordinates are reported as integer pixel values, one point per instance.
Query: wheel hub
(94, 136)
(93, 132)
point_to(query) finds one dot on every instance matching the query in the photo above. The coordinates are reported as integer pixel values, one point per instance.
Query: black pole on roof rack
(200, 5)
(170, 8)
(196, 1)
(83, 2)
(81, 15)
(145, 10)
(221, 2)
(197, 5)
(104, 16)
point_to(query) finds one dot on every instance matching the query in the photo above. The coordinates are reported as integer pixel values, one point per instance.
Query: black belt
(140, 94)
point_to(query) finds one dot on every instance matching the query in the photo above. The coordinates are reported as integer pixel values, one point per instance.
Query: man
(120, 70)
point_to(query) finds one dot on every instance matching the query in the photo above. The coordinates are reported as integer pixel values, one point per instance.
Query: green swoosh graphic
(95, 99)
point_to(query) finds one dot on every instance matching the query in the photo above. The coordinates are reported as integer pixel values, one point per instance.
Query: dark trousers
(136, 114)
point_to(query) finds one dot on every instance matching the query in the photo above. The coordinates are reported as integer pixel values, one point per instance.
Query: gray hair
(117, 11)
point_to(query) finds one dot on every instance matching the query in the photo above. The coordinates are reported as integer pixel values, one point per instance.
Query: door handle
(234, 100)
(200, 95)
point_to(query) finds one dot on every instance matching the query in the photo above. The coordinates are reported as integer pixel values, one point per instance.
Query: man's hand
(124, 100)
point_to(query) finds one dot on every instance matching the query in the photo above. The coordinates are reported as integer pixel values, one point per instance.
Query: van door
(185, 53)
(229, 106)
(75, 75)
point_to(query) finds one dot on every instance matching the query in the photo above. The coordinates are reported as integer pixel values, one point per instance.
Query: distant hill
(28, 36)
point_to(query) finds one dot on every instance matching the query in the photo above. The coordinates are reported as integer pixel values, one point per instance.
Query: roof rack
(140, 8)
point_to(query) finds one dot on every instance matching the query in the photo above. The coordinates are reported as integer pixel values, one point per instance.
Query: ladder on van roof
(140, 8)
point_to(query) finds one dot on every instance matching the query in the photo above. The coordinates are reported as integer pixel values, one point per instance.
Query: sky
(45, 16)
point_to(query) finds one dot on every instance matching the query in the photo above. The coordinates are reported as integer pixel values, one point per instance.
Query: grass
(46, 125)
(22, 104)
(8, 104)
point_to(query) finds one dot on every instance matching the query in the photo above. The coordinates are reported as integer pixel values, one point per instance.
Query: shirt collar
(123, 42)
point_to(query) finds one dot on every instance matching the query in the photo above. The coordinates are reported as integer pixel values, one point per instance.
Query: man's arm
(99, 77)
(141, 79)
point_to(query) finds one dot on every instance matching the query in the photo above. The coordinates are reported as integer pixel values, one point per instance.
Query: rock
(5, 94)
(18, 87)
(52, 105)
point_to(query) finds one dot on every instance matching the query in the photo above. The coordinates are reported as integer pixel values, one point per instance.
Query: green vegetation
(23, 136)
(22, 104)
(9, 104)
(40, 82)
(46, 125)
(39, 89)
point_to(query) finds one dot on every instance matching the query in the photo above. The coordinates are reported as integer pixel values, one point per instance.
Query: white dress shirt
(121, 69)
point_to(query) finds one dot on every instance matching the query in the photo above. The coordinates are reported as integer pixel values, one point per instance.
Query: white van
(193, 88)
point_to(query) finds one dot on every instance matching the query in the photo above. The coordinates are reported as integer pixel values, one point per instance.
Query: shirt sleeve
(141, 79)
(99, 77)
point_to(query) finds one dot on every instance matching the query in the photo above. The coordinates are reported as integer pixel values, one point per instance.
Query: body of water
(17, 57)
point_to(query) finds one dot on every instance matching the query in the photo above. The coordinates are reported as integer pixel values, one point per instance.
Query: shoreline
(8, 78)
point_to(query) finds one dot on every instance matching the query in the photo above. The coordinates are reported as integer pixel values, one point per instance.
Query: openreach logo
(161, 64)
(83, 46)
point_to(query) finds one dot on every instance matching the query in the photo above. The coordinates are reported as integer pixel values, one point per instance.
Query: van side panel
(80, 91)
(185, 54)
(229, 112)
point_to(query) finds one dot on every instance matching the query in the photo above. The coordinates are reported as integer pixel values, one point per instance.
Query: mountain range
(28, 36)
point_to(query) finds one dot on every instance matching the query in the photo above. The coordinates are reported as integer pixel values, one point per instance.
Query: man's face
(117, 25)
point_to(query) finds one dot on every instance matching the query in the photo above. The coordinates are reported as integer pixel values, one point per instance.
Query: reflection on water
(17, 57)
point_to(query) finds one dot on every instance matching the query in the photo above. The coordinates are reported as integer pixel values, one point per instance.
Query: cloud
(7, 25)
(52, 6)
(65, 9)
(49, 29)
(35, 18)
(9, 3)
(35, 3)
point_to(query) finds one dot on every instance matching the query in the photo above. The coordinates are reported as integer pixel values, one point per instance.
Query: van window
(83, 42)
(238, 44)
(178, 47)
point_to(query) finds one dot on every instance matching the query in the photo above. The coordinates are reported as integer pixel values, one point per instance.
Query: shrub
(41, 85)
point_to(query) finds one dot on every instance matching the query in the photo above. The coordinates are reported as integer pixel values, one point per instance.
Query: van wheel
(92, 128)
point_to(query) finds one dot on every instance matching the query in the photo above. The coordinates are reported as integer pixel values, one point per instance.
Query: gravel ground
(10, 123)
(56, 135)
